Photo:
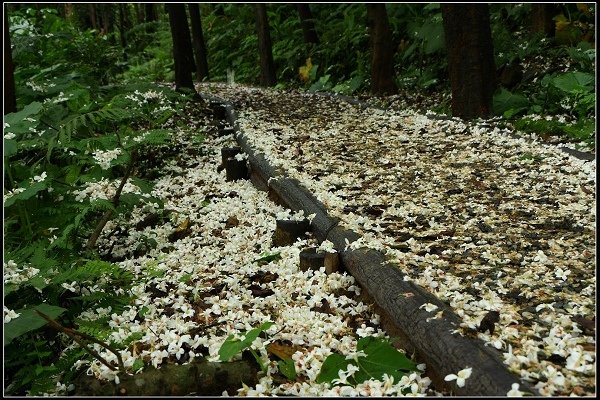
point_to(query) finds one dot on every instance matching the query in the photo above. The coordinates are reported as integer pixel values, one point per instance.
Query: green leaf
(29, 321)
(137, 365)
(232, 346)
(17, 122)
(10, 147)
(381, 358)
(574, 81)
(287, 368)
(332, 364)
(506, 101)
(27, 193)
(268, 257)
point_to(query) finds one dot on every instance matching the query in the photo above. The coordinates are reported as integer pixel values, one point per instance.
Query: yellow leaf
(184, 225)
(583, 8)
(304, 71)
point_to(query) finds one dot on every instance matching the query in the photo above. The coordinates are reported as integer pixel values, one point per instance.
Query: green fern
(90, 119)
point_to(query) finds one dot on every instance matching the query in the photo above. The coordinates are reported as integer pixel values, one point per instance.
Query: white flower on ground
(9, 315)
(344, 375)
(429, 307)
(462, 375)
(515, 392)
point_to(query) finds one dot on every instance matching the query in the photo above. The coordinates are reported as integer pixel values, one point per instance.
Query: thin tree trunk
(470, 59)
(182, 46)
(10, 100)
(267, 67)
(541, 18)
(123, 26)
(308, 25)
(198, 42)
(382, 51)
(93, 15)
(139, 13)
(150, 12)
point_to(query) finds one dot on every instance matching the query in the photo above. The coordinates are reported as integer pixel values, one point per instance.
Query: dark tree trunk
(93, 16)
(198, 42)
(541, 18)
(382, 51)
(139, 13)
(123, 26)
(267, 67)
(307, 22)
(218, 9)
(106, 18)
(150, 12)
(470, 59)
(182, 46)
(10, 100)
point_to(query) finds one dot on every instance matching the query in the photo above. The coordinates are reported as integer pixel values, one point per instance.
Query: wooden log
(311, 258)
(199, 378)
(287, 232)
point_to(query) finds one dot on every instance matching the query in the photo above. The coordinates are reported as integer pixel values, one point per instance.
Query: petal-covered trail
(484, 219)
(203, 280)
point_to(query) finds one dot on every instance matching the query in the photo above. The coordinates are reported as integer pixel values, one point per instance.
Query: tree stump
(219, 110)
(310, 258)
(287, 232)
(234, 169)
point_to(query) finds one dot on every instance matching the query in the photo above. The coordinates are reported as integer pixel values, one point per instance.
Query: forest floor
(482, 219)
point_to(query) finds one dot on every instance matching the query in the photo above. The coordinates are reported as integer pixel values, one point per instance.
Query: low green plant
(376, 357)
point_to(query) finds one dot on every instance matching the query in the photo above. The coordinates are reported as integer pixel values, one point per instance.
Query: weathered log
(310, 258)
(199, 378)
(287, 232)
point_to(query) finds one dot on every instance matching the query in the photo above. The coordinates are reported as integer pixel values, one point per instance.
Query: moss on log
(199, 378)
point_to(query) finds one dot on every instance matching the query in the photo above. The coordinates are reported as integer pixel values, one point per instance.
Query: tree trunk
(123, 26)
(382, 51)
(106, 18)
(308, 25)
(470, 59)
(267, 67)
(93, 16)
(182, 46)
(198, 42)
(541, 18)
(150, 12)
(10, 99)
(139, 13)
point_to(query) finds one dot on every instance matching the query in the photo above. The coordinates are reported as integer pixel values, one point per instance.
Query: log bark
(470, 59)
(382, 51)
(265, 50)
(199, 378)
